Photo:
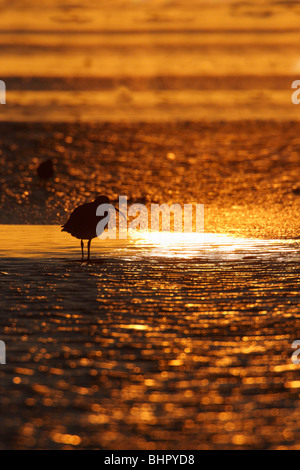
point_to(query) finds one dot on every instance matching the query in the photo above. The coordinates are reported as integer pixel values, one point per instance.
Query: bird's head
(101, 200)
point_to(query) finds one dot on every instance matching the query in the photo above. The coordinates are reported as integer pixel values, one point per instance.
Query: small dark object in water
(45, 170)
(83, 222)
(296, 191)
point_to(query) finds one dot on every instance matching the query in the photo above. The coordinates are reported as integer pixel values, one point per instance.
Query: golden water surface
(164, 341)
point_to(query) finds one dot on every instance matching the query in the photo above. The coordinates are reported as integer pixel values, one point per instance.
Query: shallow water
(123, 105)
(159, 343)
(135, 52)
(47, 242)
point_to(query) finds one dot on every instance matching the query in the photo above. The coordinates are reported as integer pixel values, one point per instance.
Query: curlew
(83, 221)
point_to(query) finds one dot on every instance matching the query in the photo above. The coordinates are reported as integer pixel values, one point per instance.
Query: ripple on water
(155, 345)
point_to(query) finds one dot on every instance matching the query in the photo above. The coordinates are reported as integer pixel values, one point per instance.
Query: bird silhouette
(83, 221)
(45, 170)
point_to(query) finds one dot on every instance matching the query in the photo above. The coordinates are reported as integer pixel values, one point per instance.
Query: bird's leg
(82, 254)
(89, 248)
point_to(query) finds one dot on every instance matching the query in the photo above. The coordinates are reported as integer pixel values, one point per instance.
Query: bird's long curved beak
(121, 213)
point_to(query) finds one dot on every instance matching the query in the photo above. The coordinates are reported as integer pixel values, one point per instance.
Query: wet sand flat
(154, 345)
(246, 173)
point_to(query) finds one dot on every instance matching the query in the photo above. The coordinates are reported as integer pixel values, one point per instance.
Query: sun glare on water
(188, 245)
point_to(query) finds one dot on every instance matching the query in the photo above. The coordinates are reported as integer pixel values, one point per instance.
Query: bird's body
(83, 221)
